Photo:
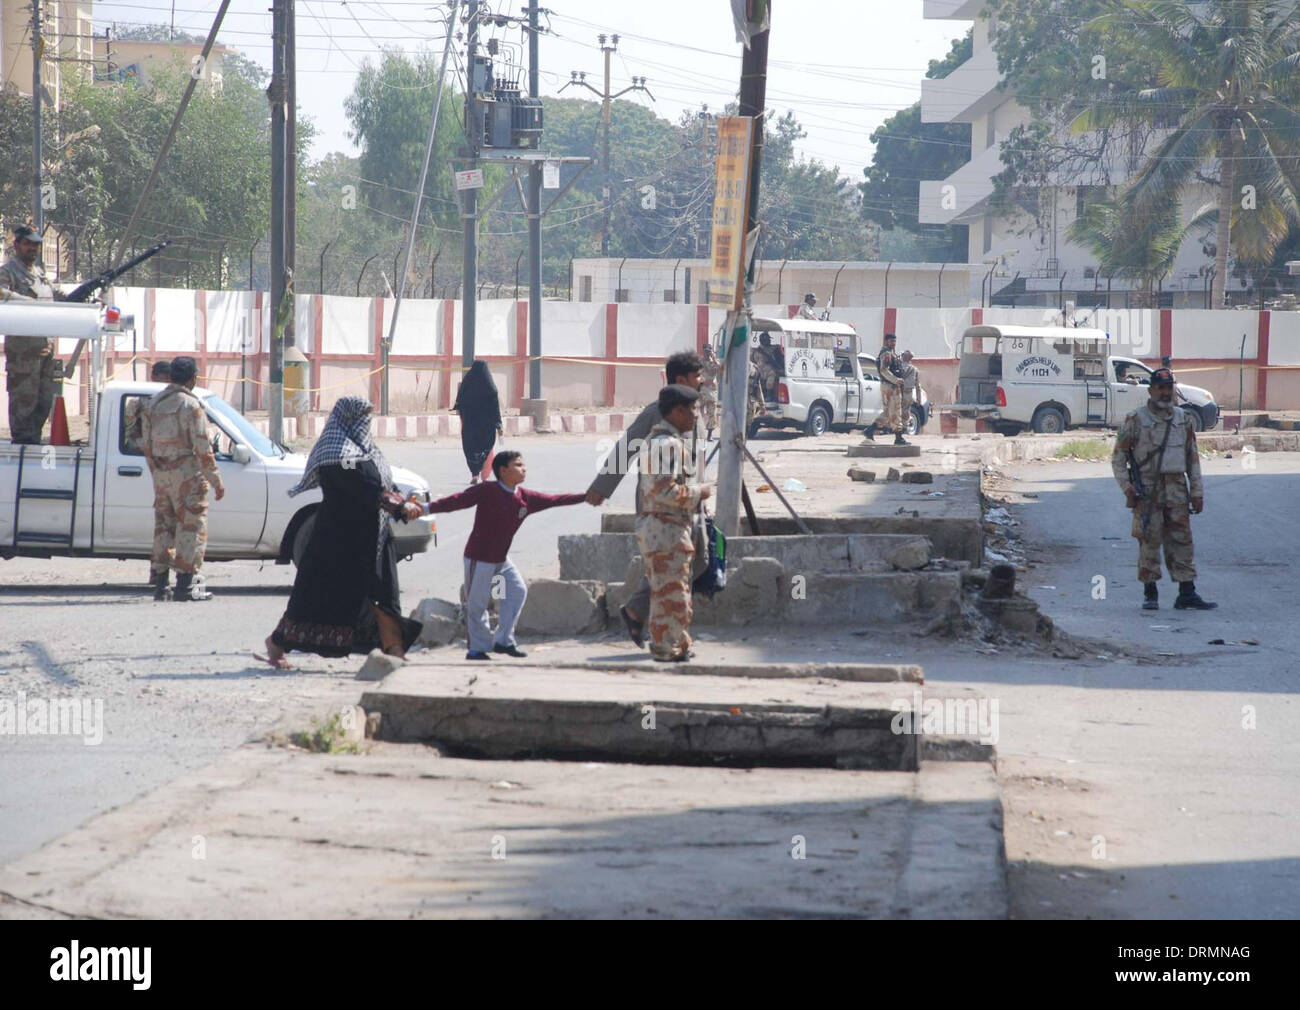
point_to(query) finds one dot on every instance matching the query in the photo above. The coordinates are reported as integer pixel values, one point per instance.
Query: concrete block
(872, 551)
(1017, 614)
(918, 477)
(379, 665)
(441, 620)
(594, 715)
(754, 593)
(893, 474)
(599, 556)
(911, 554)
(556, 607)
(860, 474)
(872, 450)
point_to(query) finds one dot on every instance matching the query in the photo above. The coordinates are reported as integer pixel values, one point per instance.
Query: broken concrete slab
(880, 673)
(441, 622)
(918, 477)
(659, 717)
(909, 555)
(588, 556)
(861, 474)
(872, 450)
(379, 665)
(557, 607)
(893, 474)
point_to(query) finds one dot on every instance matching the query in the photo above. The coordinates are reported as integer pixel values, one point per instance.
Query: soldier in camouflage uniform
(890, 367)
(1163, 445)
(711, 366)
(664, 522)
(180, 457)
(29, 361)
(911, 387)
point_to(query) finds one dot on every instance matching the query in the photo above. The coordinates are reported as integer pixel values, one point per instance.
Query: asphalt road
(176, 682)
(1152, 788)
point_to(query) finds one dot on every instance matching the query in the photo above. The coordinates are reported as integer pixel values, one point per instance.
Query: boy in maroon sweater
(501, 506)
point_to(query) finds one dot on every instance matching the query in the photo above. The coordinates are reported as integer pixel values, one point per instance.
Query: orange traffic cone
(59, 424)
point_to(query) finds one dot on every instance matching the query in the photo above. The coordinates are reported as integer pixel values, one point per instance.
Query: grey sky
(842, 66)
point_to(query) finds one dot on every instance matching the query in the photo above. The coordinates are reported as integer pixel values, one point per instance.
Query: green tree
(1227, 90)
(908, 152)
(1137, 246)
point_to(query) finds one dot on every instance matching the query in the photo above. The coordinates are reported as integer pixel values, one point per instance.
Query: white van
(827, 380)
(1050, 378)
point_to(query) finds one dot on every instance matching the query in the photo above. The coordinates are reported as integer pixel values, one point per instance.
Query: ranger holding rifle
(1156, 465)
(30, 365)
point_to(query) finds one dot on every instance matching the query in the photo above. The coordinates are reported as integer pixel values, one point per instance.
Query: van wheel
(1049, 421)
(819, 419)
(302, 538)
(913, 419)
(1195, 419)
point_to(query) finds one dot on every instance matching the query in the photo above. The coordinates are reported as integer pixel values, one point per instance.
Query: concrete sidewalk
(401, 832)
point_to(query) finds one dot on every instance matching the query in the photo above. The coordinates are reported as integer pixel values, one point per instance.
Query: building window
(584, 289)
(670, 294)
(704, 293)
(620, 295)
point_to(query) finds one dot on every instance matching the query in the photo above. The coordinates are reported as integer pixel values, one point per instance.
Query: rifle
(84, 290)
(1135, 478)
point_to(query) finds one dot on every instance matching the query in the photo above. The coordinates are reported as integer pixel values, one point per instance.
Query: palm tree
(1228, 76)
(1131, 244)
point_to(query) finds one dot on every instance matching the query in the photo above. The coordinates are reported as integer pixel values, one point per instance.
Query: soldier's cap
(810, 297)
(891, 336)
(674, 396)
(26, 231)
(1162, 377)
(184, 368)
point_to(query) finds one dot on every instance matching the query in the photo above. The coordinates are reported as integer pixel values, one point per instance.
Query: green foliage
(908, 152)
(324, 737)
(1087, 449)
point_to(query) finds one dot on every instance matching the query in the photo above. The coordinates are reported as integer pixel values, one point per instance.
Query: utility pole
(735, 372)
(608, 188)
(38, 44)
(276, 93)
(290, 163)
(469, 258)
(534, 225)
(608, 46)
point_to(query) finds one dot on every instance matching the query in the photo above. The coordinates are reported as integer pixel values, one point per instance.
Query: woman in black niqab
(479, 408)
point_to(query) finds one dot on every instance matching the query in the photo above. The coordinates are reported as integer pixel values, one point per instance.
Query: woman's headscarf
(346, 440)
(477, 397)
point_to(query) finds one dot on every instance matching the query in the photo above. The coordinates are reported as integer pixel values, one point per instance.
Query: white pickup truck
(827, 381)
(97, 499)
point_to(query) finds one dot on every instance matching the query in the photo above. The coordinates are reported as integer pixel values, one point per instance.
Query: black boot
(161, 589)
(899, 440)
(186, 591)
(1189, 600)
(1151, 599)
(870, 433)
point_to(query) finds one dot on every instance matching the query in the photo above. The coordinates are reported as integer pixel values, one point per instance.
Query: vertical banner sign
(730, 201)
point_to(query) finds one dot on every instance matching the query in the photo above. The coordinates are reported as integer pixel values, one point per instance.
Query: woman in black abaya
(480, 417)
(345, 595)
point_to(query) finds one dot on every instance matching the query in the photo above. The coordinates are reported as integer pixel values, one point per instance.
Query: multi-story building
(133, 60)
(1025, 251)
(67, 27)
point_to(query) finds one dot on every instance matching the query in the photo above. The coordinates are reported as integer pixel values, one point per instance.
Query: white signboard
(472, 179)
(550, 175)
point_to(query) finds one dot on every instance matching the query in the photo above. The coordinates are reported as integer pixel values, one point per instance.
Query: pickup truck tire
(1195, 418)
(302, 538)
(818, 423)
(913, 419)
(1049, 421)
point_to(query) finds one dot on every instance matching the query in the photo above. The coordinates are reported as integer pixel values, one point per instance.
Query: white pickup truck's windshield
(236, 421)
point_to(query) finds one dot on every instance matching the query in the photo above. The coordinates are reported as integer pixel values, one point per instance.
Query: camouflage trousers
(180, 520)
(1170, 527)
(29, 380)
(906, 407)
(709, 408)
(669, 625)
(891, 418)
